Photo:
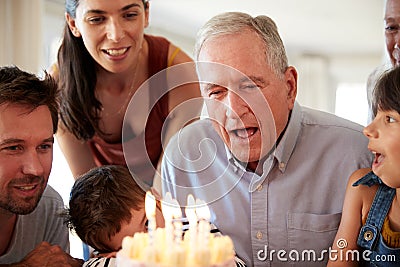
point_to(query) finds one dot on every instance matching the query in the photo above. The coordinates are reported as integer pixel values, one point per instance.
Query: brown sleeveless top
(141, 153)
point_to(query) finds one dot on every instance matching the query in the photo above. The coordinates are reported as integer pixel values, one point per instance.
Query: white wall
(21, 33)
(319, 76)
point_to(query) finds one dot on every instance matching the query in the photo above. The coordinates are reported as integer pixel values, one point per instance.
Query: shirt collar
(288, 142)
(237, 164)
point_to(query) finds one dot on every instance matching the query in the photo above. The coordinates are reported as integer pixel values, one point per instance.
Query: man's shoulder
(204, 124)
(197, 130)
(50, 200)
(317, 118)
(196, 143)
(50, 194)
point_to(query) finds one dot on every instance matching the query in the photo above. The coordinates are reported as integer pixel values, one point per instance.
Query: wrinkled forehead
(392, 10)
(219, 74)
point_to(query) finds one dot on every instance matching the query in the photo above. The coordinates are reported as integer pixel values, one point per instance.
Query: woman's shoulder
(175, 54)
(53, 70)
(157, 41)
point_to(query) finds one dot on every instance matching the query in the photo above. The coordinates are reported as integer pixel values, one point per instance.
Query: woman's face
(112, 31)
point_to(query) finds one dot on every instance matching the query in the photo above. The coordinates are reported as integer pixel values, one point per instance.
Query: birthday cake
(137, 251)
(169, 247)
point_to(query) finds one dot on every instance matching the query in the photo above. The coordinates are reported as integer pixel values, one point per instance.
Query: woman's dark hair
(79, 108)
(386, 94)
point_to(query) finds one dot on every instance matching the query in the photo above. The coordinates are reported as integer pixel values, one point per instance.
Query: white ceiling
(306, 26)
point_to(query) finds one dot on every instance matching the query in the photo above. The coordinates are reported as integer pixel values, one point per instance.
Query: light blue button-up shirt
(290, 214)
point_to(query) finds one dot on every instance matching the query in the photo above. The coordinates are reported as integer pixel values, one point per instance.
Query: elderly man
(272, 172)
(32, 232)
(392, 41)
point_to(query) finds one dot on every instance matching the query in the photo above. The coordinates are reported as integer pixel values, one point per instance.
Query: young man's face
(26, 154)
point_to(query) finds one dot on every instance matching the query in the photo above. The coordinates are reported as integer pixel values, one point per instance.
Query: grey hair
(235, 22)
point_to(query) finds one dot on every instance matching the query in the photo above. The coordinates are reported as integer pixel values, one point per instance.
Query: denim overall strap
(370, 232)
(369, 179)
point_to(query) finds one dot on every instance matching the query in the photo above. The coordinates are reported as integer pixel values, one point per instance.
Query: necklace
(124, 105)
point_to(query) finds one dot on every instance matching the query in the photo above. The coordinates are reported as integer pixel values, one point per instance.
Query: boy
(106, 204)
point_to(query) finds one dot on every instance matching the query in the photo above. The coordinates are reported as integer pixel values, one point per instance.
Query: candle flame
(167, 207)
(202, 210)
(150, 205)
(190, 210)
(176, 209)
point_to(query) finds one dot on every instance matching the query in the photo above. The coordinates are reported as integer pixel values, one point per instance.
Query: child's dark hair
(386, 94)
(100, 201)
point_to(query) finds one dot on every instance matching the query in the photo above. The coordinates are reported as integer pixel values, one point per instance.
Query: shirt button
(259, 235)
(282, 165)
(259, 187)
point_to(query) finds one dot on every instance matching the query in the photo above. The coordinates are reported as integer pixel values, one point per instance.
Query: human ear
(146, 14)
(291, 82)
(72, 26)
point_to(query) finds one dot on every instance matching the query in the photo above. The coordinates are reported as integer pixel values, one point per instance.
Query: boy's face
(137, 224)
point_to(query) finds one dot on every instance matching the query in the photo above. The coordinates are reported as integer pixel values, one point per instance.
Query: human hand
(46, 255)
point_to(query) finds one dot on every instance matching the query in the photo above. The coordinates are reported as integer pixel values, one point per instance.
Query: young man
(273, 173)
(32, 232)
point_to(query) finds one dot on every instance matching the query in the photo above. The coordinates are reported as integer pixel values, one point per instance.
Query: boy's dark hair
(100, 201)
(22, 88)
(386, 94)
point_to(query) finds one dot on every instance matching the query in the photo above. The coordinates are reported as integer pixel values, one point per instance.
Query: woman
(103, 60)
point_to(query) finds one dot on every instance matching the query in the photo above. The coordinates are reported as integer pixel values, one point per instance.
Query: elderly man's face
(392, 30)
(26, 153)
(248, 102)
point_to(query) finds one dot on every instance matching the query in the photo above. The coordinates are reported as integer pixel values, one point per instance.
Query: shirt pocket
(315, 232)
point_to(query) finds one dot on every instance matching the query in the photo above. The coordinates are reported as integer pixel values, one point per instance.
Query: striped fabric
(100, 262)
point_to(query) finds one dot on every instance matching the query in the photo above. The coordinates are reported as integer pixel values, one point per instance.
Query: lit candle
(190, 211)
(177, 216)
(150, 208)
(203, 213)
(179, 252)
(166, 206)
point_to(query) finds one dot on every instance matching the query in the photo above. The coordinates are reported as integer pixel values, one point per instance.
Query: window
(351, 102)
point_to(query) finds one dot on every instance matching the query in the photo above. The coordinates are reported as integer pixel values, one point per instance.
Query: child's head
(105, 205)
(384, 131)
(386, 94)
